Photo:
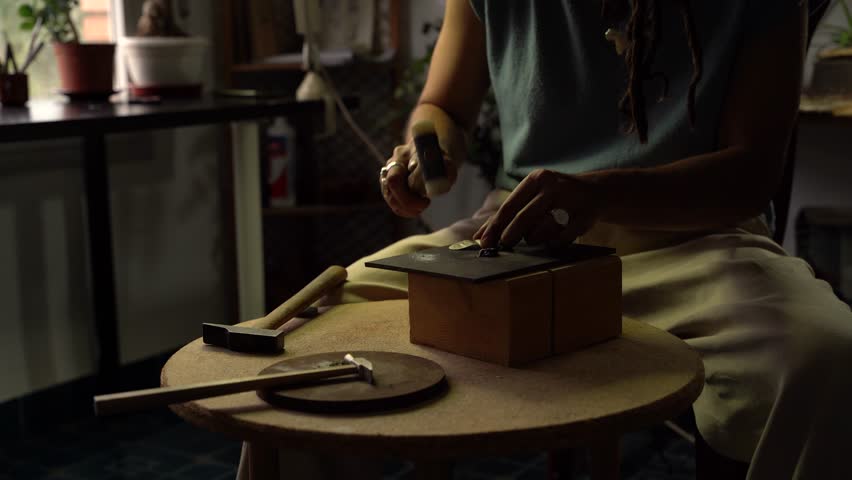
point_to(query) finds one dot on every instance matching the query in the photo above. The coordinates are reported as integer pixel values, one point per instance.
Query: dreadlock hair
(643, 34)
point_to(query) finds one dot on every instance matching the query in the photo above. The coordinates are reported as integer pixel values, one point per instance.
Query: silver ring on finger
(383, 173)
(561, 217)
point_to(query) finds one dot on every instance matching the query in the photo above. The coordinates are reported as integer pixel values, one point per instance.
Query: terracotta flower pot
(85, 68)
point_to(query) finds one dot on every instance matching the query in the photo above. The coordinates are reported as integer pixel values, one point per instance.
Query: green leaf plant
(54, 16)
(841, 35)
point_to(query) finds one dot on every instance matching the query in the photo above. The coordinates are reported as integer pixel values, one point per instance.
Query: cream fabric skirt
(776, 342)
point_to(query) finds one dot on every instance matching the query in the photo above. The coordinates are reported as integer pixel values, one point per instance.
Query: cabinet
(340, 215)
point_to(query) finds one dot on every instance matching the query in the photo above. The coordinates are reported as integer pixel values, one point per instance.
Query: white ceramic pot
(164, 61)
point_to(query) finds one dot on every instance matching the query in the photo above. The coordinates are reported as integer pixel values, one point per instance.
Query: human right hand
(402, 184)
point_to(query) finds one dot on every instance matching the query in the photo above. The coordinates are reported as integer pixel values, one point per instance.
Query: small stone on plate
(464, 245)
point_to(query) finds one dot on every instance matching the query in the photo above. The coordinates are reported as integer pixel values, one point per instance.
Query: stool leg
(604, 460)
(433, 470)
(710, 465)
(258, 462)
(562, 464)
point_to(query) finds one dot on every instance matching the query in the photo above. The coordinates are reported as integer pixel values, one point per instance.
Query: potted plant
(832, 75)
(162, 60)
(85, 69)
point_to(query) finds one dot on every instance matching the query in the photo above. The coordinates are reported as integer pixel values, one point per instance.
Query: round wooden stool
(587, 398)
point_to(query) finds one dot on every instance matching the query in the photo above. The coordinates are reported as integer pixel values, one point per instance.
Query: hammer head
(243, 339)
(365, 367)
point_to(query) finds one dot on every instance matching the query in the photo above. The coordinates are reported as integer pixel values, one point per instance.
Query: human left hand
(528, 212)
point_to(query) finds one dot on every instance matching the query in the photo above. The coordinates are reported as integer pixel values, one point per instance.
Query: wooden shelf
(254, 67)
(311, 210)
(241, 67)
(238, 51)
(266, 67)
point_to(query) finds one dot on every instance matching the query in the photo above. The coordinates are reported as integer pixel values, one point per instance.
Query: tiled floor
(151, 446)
(159, 446)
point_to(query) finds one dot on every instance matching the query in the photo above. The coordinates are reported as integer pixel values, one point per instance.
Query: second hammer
(260, 335)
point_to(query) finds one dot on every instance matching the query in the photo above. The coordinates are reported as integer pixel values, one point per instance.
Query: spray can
(280, 155)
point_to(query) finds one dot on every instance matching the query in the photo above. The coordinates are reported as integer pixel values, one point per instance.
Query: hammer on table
(262, 336)
(158, 397)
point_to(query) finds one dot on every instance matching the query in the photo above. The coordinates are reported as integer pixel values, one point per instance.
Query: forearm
(705, 191)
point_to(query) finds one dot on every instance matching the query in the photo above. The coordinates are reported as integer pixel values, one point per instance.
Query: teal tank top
(558, 82)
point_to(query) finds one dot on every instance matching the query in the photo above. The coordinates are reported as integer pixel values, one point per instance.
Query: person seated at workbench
(708, 93)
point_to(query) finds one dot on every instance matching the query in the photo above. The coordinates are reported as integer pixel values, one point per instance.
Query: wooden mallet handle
(158, 397)
(326, 281)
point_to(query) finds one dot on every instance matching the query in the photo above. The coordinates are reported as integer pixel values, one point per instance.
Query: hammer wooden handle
(326, 281)
(159, 397)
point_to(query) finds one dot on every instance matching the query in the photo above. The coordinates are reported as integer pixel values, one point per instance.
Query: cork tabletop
(640, 379)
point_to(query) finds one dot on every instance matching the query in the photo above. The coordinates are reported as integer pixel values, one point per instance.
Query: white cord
(329, 85)
(344, 110)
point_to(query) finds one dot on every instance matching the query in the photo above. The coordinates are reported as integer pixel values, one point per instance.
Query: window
(94, 26)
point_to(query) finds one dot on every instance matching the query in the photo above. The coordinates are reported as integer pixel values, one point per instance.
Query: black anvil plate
(468, 265)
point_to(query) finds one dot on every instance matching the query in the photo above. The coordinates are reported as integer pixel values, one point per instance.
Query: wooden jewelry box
(522, 305)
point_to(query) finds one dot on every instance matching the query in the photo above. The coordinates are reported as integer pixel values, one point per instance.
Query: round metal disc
(399, 380)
